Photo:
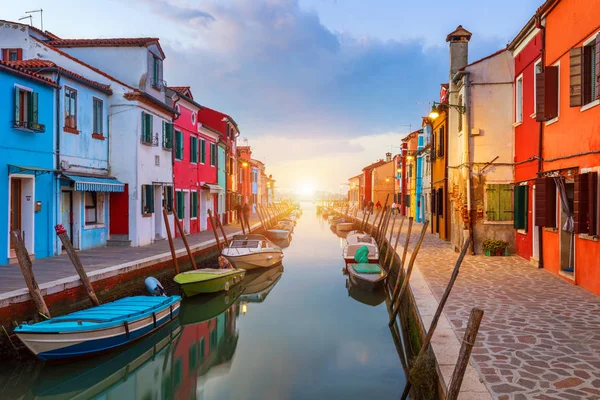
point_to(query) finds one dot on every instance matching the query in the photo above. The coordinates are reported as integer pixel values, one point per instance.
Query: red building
(244, 154)
(194, 163)
(527, 53)
(366, 194)
(229, 131)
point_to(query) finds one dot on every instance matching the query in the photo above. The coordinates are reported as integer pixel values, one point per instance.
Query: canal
(291, 332)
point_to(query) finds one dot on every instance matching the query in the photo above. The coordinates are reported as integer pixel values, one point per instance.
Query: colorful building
(354, 190)
(567, 98)
(527, 54)
(440, 218)
(367, 188)
(424, 154)
(27, 161)
(408, 203)
(382, 181)
(244, 174)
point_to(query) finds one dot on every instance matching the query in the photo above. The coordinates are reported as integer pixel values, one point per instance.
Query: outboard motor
(154, 287)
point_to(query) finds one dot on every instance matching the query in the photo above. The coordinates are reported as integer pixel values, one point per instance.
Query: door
(567, 245)
(119, 213)
(15, 206)
(534, 229)
(66, 212)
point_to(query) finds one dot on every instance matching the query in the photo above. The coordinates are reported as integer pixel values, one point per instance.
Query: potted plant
(495, 247)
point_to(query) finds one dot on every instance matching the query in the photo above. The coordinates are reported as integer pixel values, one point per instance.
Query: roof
(145, 98)
(108, 42)
(374, 165)
(37, 64)
(356, 176)
(213, 130)
(184, 90)
(18, 70)
(484, 58)
(459, 31)
(46, 33)
(412, 135)
(546, 7)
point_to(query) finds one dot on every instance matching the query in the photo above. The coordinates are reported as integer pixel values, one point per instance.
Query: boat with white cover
(252, 251)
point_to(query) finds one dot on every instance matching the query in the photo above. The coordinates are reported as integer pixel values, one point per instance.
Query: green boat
(208, 280)
(204, 308)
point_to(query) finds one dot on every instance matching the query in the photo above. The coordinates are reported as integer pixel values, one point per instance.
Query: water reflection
(368, 297)
(259, 283)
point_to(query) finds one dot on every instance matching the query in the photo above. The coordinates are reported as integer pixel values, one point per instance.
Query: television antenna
(30, 19)
(41, 11)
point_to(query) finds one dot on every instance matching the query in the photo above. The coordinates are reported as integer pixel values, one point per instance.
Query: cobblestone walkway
(540, 336)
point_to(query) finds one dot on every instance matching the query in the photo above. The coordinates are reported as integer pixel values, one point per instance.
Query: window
(156, 72)
(70, 108)
(585, 210)
(439, 201)
(193, 149)
(98, 113)
(537, 69)
(147, 199)
(202, 349)
(202, 151)
(168, 198)
(434, 146)
(91, 208)
(460, 116)
(519, 99)
(194, 205)
(213, 154)
(193, 118)
(12, 54)
(521, 206)
(178, 145)
(499, 202)
(214, 338)
(179, 203)
(167, 135)
(442, 142)
(146, 128)
(193, 358)
(26, 110)
(177, 373)
(547, 93)
(591, 64)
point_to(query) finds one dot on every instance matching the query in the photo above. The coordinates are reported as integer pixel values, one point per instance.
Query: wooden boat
(278, 234)
(345, 226)
(252, 251)
(367, 276)
(260, 284)
(204, 308)
(359, 236)
(367, 297)
(349, 251)
(289, 225)
(208, 280)
(98, 329)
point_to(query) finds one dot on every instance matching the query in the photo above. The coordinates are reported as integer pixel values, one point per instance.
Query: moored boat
(208, 280)
(349, 251)
(367, 276)
(98, 329)
(345, 226)
(252, 251)
(278, 234)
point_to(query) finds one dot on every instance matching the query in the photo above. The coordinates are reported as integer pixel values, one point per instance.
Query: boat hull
(278, 234)
(214, 285)
(370, 282)
(64, 346)
(345, 226)
(255, 260)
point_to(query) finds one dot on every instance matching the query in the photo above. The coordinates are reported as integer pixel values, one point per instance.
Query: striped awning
(95, 184)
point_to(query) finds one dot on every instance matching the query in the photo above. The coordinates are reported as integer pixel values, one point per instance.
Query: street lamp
(436, 107)
(244, 164)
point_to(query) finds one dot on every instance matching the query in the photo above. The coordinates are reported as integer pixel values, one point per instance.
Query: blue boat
(98, 329)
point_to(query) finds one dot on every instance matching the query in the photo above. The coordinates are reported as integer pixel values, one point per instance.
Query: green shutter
(178, 145)
(492, 202)
(17, 105)
(143, 126)
(505, 208)
(202, 151)
(169, 135)
(520, 206)
(194, 205)
(29, 108)
(34, 107)
(164, 134)
(179, 205)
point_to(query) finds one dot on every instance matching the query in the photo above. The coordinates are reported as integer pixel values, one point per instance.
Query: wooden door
(15, 206)
(119, 213)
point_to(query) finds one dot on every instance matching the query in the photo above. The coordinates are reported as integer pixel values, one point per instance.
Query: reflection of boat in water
(108, 375)
(283, 243)
(260, 283)
(202, 308)
(368, 297)
(340, 234)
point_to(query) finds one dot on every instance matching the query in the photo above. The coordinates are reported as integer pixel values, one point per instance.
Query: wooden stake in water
(405, 251)
(27, 271)
(184, 238)
(214, 229)
(170, 238)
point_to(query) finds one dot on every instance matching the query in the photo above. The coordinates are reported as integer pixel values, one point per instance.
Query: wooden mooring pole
(214, 229)
(184, 238)
(27, 271)
(391, 263)
(61, 232)
(465, 353)
(439, 310)
(405, 251)
(170, 238)
(220, 225)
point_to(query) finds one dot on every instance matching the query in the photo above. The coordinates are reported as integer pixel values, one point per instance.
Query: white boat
(345, 226)
(288, 225)
(252, 251)
(350, 249)
(278, 234)
(359, 237)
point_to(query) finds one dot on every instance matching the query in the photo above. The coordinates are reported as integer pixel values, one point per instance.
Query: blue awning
(95, 184)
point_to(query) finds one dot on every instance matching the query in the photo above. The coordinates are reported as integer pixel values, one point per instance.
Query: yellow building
(383, 181)
(354, 190)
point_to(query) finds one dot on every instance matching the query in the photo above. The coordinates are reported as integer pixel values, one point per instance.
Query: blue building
(27, 161)
(420, 210)
(83, 167)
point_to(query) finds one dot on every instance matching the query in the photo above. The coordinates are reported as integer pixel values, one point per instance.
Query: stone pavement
(59, 267)
(540, 336)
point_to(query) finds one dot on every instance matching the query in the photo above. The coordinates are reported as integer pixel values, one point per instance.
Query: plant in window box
(495, 247)
(146, 210)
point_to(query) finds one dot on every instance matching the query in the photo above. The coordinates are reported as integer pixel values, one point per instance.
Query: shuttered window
(440, 202)
(26, 110)
(147, 199)
(167, 135)
(193, 149)
(499, 202)
(12, 54)
(179, 203)
(584, 84)
(546, 92)
(213, 154)
(202, 151)
(545, 202)
(168, 198)
(194, 205)
(442, 138)
(146, 128)
(434, 146)
(521, 202)
(178, 145)
(98, 116)
(597, 69)
(585, 210)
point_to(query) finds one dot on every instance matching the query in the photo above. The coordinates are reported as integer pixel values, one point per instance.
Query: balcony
(159, 84)
(29, 125)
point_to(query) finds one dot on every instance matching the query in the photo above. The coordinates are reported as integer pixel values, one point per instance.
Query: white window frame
(76, 106)
(94, 98)
(100, 211)
(535, 65)
(596, 102)
(198, 210)
(519, 100)
(553, 120)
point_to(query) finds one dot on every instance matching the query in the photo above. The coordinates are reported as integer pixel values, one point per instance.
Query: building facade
(440, 218)
(425, 155)
(382, 181)
(367, 188)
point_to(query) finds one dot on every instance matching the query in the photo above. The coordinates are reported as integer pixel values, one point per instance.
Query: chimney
(388, 157)
(459, 49)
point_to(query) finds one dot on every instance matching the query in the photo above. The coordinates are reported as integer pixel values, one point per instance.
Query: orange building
(567, 100)
(440, 218)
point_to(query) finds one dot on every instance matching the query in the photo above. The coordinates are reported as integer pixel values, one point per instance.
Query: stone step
(118, 241)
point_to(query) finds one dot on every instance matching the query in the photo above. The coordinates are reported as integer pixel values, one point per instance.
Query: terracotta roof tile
(108, 42)
(36, 64)
(374, 165)
(23, 71)
(180, 89)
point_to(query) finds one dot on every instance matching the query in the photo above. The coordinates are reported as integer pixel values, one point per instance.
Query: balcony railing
(159, 84)
(29, 125)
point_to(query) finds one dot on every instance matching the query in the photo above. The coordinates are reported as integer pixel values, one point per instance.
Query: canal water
(291, 332)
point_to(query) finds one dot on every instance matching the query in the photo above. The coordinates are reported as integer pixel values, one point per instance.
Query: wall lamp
(436, 107)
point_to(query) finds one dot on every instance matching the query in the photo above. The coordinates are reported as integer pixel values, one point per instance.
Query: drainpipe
(57, 199)
(540, 26)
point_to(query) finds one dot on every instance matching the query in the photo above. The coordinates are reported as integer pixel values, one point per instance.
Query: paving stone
(568, 383)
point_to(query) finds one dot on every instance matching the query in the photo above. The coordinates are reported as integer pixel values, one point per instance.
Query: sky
(319, 88)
